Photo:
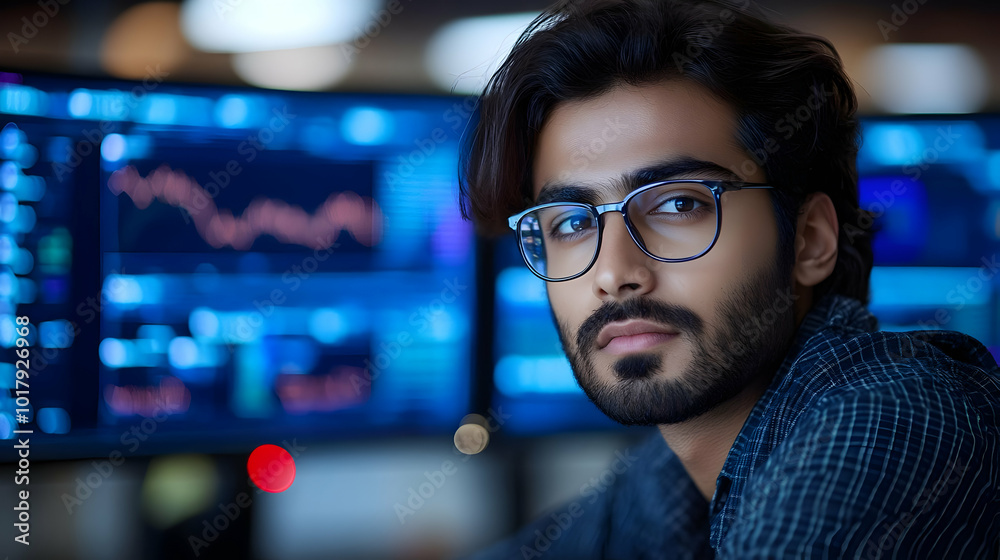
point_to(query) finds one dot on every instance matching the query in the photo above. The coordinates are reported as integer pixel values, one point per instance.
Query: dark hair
(794, 103)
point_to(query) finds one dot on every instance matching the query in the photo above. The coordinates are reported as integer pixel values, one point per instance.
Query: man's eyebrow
(673, 168)
(677, 168)
(561, 192)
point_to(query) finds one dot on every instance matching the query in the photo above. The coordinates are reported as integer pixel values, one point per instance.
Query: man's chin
(635, 366)
(630, 404)
(638, 390)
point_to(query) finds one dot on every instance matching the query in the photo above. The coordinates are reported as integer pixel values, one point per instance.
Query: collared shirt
(866, 444)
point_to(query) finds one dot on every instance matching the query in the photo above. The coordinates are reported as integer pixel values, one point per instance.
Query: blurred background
(234, 223)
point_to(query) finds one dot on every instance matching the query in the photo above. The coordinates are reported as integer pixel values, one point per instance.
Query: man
(683, 177)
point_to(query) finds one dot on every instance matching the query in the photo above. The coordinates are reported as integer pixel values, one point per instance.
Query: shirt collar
(831, 313)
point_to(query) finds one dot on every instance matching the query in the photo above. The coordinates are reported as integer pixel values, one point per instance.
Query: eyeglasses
(671, 221)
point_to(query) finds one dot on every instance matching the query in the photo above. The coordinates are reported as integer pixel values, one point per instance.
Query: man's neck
(703, 443)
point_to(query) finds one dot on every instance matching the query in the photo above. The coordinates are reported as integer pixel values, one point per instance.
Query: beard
(754, 335)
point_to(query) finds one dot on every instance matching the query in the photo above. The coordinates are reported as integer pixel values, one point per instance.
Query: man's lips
(635, 334)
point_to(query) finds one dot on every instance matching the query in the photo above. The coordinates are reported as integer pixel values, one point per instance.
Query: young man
(683, 177)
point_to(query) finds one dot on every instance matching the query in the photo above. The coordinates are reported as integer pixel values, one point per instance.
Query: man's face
(732, 326)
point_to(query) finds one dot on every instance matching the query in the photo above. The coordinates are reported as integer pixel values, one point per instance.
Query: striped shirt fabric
(866, 444)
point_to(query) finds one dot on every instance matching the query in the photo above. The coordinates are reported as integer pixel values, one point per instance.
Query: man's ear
(816, 240)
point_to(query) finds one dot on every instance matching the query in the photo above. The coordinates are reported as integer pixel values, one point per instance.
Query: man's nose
(622, 269)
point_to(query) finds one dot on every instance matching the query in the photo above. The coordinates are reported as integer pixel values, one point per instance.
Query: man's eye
(679, 205)
(573, 224)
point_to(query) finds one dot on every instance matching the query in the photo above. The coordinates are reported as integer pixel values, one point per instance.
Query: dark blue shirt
(866, 444)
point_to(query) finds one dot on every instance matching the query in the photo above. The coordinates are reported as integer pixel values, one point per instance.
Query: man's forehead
(610, 140)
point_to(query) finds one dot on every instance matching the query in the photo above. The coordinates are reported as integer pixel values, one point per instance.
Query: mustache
(681, 318)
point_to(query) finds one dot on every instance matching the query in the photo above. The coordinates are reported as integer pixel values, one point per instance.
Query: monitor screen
(235, 264)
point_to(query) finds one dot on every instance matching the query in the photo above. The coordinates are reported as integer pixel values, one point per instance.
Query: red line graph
(361, 217)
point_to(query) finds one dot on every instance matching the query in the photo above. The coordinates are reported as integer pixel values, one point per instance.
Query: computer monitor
(228, 265)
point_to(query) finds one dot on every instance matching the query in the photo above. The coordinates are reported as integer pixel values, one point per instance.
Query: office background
(235, 222)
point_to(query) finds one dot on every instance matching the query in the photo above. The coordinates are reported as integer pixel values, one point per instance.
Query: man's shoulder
(884, 466)
(916, 368)
(902, 391)
(841, 332)
(920, 349)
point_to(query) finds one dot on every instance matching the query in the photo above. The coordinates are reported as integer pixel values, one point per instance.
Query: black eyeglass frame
(716, 186)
